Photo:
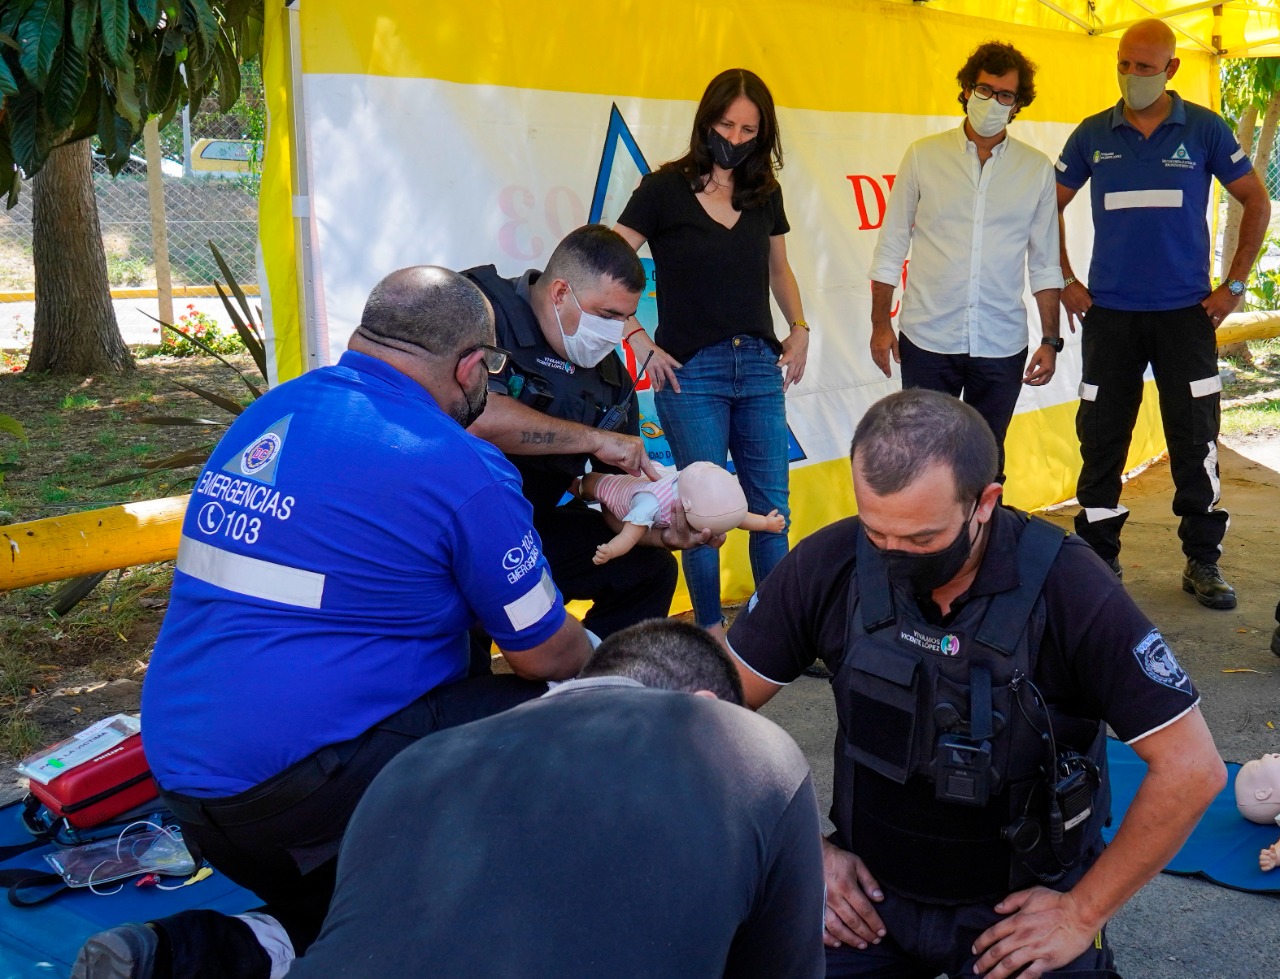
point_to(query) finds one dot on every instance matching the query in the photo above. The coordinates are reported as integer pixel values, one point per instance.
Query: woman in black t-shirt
(715, 223)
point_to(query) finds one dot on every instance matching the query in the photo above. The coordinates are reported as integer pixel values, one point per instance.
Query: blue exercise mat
(43, 941)
(1224, 846)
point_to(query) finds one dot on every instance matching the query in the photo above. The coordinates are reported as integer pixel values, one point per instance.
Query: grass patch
(1252, 418)
(19, 735)
(1251, 401)
(17, 675)
(80, 433)
(77, 402)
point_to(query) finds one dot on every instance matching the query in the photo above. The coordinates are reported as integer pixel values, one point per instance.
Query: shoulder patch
(1158, 662)
(259, 459)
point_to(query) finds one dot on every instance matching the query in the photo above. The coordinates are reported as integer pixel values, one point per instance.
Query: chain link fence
(198, 209)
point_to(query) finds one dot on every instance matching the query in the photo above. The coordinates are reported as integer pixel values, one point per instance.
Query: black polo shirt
(1100, 657)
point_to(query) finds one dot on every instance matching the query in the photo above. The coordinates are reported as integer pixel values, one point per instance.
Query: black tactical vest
(539, 377)
(944, 742)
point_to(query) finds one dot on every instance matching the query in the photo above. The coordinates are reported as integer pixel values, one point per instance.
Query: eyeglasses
(985, 92)
(495, 358)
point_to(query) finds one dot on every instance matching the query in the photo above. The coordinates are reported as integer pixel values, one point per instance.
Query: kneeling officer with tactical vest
(978, 655)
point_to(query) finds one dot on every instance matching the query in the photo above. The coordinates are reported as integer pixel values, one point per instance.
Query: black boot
(1205, 581)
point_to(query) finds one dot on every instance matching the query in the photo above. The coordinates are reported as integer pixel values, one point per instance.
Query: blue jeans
(731, 401)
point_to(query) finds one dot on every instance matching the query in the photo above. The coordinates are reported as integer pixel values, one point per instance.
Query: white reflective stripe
(1206, 386)
(532, 605)
(1237, 156)
(1215, 484)
(250, 575)
(1088, 392)
(1120, 200)
(1096, 514)
(1062, 167)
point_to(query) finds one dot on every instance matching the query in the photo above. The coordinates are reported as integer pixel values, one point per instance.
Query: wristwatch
(1235, 287)
(1057, 343)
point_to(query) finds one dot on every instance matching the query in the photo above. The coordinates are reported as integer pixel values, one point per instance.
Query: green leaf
(226, 404)
(84, 18)
(68, 76)
(163, 88)
(179, 420)
(9, 42)
(149, 11)
(8, 84)
(115, 30)
(127, 103)
(115, 135)
(38, 37)
(24, 137)
(206, 24)
(13, 427)
(228, 75)
(250, 333)
(10, 15)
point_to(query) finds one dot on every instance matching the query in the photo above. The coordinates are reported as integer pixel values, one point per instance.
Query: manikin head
(711, 497)
(1258, 789)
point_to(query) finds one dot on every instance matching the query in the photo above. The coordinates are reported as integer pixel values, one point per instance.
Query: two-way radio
(616, 416)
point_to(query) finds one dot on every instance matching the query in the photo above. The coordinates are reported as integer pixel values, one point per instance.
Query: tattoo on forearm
(537, 438)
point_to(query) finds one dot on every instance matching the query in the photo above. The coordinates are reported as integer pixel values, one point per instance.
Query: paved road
(135, 327)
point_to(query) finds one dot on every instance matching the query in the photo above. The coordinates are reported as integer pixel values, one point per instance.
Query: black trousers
(280, 839)
(990, 385)
(1180, 346)
(923, 940)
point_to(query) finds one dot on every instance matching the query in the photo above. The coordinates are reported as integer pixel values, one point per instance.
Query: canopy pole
(1088, 29)
(1124, 25)
(1235, 52)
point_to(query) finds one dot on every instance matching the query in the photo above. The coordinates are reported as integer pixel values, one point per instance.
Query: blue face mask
(725, 153)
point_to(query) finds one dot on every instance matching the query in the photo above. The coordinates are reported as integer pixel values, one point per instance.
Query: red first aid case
(102, 788)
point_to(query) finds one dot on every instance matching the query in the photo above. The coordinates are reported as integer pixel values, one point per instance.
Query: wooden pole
(159, 230)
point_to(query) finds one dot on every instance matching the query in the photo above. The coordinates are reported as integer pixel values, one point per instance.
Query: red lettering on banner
(633, 365)
(898, 305)
(861, 183)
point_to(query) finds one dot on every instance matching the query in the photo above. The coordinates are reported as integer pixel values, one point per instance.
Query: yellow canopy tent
(467, 134)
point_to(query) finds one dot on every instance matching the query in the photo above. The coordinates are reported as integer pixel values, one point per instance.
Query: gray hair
(428, 308)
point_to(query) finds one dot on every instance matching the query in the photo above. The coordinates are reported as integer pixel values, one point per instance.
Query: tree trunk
(75, 328)
(1231, 231)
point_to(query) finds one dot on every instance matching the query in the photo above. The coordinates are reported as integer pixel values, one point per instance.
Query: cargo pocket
(882, 691)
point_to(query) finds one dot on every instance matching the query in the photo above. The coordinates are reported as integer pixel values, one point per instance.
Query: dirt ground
(1176, 927)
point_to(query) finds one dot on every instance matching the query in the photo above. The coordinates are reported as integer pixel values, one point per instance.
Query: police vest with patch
(954, 782)
(539, 377)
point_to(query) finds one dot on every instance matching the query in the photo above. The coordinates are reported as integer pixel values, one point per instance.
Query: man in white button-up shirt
(976, 210)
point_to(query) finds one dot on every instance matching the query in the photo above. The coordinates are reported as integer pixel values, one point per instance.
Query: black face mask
(922, 573)
(725, 153)
(474, 407)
